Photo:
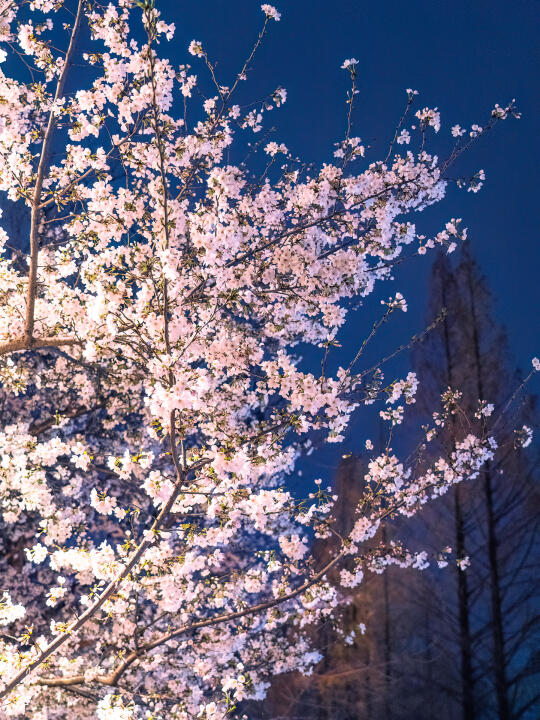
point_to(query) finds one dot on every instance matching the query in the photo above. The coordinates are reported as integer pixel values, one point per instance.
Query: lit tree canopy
(153, 399)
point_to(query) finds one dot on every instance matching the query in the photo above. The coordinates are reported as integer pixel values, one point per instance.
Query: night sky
(463, 57)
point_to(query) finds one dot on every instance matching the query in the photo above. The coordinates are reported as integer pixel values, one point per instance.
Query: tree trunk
(467, 683)
(499, 657)
(387, 645)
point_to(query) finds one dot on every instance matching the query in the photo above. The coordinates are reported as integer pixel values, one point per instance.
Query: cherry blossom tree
(154, 400)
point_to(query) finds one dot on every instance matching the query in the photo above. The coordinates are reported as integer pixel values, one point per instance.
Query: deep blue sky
(463, 57)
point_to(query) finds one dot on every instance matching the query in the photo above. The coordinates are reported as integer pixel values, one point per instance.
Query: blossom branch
(35, 215)
(114, 585)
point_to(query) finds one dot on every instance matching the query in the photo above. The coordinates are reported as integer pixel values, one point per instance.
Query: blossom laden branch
(113, 587)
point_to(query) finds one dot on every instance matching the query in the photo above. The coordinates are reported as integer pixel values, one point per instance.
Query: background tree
(350, 680)
(485, 621)
(460, 643)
